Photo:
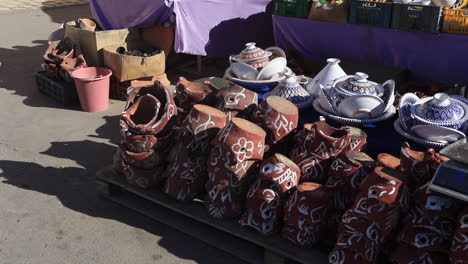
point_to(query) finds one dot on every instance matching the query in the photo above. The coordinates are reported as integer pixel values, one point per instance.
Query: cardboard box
(126, 67)
(90, 43)
(159, 36)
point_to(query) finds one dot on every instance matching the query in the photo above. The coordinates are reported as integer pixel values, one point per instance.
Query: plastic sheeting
(432, 58)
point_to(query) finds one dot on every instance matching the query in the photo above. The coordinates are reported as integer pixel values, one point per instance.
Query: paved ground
(50, 211)
(27, 4)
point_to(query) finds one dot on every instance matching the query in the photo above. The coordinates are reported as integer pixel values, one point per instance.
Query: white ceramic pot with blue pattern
(440, 110)
(290, 88)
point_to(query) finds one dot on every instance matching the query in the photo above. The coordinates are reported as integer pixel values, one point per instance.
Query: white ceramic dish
(273, 67)
(420, 141)
(325, 101)
(243, 71)
(361, 107)
(404, 112)
(437, 133)
(276, 51)
(353, 121)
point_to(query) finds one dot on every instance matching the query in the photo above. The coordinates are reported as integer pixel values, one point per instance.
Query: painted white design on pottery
(243, 149)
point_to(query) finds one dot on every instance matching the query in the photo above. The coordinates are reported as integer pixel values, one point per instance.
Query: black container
(417, 18)
(370, 13)
(62, 92)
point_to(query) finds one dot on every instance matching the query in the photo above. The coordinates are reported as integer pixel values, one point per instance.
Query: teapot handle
(231, 60)
(391, 83)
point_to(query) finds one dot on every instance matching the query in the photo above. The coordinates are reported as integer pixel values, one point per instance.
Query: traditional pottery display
(236, 100)
(146, 129)
(265, 198)
(326, 77)
(254, 69)
(277, 116)
(289, 88)
(429, 227)
(231, 165)
(186, 174)
(433, 121)
(373, 217)
(355, 100)
(304, 214)
(191, 93)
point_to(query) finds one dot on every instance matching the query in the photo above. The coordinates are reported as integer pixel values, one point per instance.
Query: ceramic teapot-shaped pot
(358, 84)
(250, 54)
(439, 110)
(290, 88)
(326, 77)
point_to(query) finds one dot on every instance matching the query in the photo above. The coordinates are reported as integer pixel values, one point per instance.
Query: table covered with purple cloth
(203, 27)
(431, 58)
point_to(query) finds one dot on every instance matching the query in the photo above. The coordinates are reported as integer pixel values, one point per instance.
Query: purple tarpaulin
(432, 58)
(203, 27)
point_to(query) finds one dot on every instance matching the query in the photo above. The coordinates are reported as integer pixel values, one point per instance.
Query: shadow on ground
(20, 63)
(73, 185)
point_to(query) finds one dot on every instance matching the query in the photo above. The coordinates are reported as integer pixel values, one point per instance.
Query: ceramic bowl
(444, 3)
(274, 66)
(254, 85)
(430, 144)
(243, 71)
(361, 107)
(276, 52)
(354, 121)
(437, 133)
(452, 115)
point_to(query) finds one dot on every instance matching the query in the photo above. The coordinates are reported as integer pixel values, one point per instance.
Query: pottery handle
(231, 61)
(390, 83)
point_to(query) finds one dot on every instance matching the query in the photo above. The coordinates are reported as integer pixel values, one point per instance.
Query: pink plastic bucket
(92, 85)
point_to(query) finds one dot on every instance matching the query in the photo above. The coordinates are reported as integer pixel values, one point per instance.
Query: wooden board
(276, 248)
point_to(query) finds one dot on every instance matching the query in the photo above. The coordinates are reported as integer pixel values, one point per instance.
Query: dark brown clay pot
(348, 255)
(418, 166)
(388, 161)
(305, 214)
(314, 168)
(281, 170)
(137, 143)
(349, 169)
(441, 225)
(244, 139)
(459, 249)
(190, 93)
(222, 200)
(277, 116)
(263, 208)
(358, 138)
(385, 185)
(436, 204)
(405, 254)
(236, 98)
(144, 178)
(423, 238)
(150, 109)
(372, 209)
(362, 236)
(142, 160)
(186, 180)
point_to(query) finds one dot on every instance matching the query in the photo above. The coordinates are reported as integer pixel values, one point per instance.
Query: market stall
(222, 32)
(432, 58)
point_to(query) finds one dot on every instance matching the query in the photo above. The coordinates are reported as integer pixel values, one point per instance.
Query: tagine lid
(358, 84)
(441, 108)
(252, 53)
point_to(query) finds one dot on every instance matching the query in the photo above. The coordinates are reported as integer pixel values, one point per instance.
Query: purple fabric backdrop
(203, 27)
(117, 14)
(439, 58)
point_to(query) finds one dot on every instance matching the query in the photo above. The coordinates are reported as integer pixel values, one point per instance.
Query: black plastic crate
(62, 92)
(378, 14)
(418, 18)
(292, 8)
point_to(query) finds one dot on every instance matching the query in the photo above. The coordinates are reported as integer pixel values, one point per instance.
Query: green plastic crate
(292, 8)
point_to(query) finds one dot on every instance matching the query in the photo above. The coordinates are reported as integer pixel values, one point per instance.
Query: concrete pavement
(50, 211)
(9, 5)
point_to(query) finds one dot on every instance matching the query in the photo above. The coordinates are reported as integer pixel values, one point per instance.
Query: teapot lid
(358, 84)
(441, 108)
(252, 52)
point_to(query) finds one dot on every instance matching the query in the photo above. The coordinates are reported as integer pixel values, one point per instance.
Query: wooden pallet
(193, 219)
